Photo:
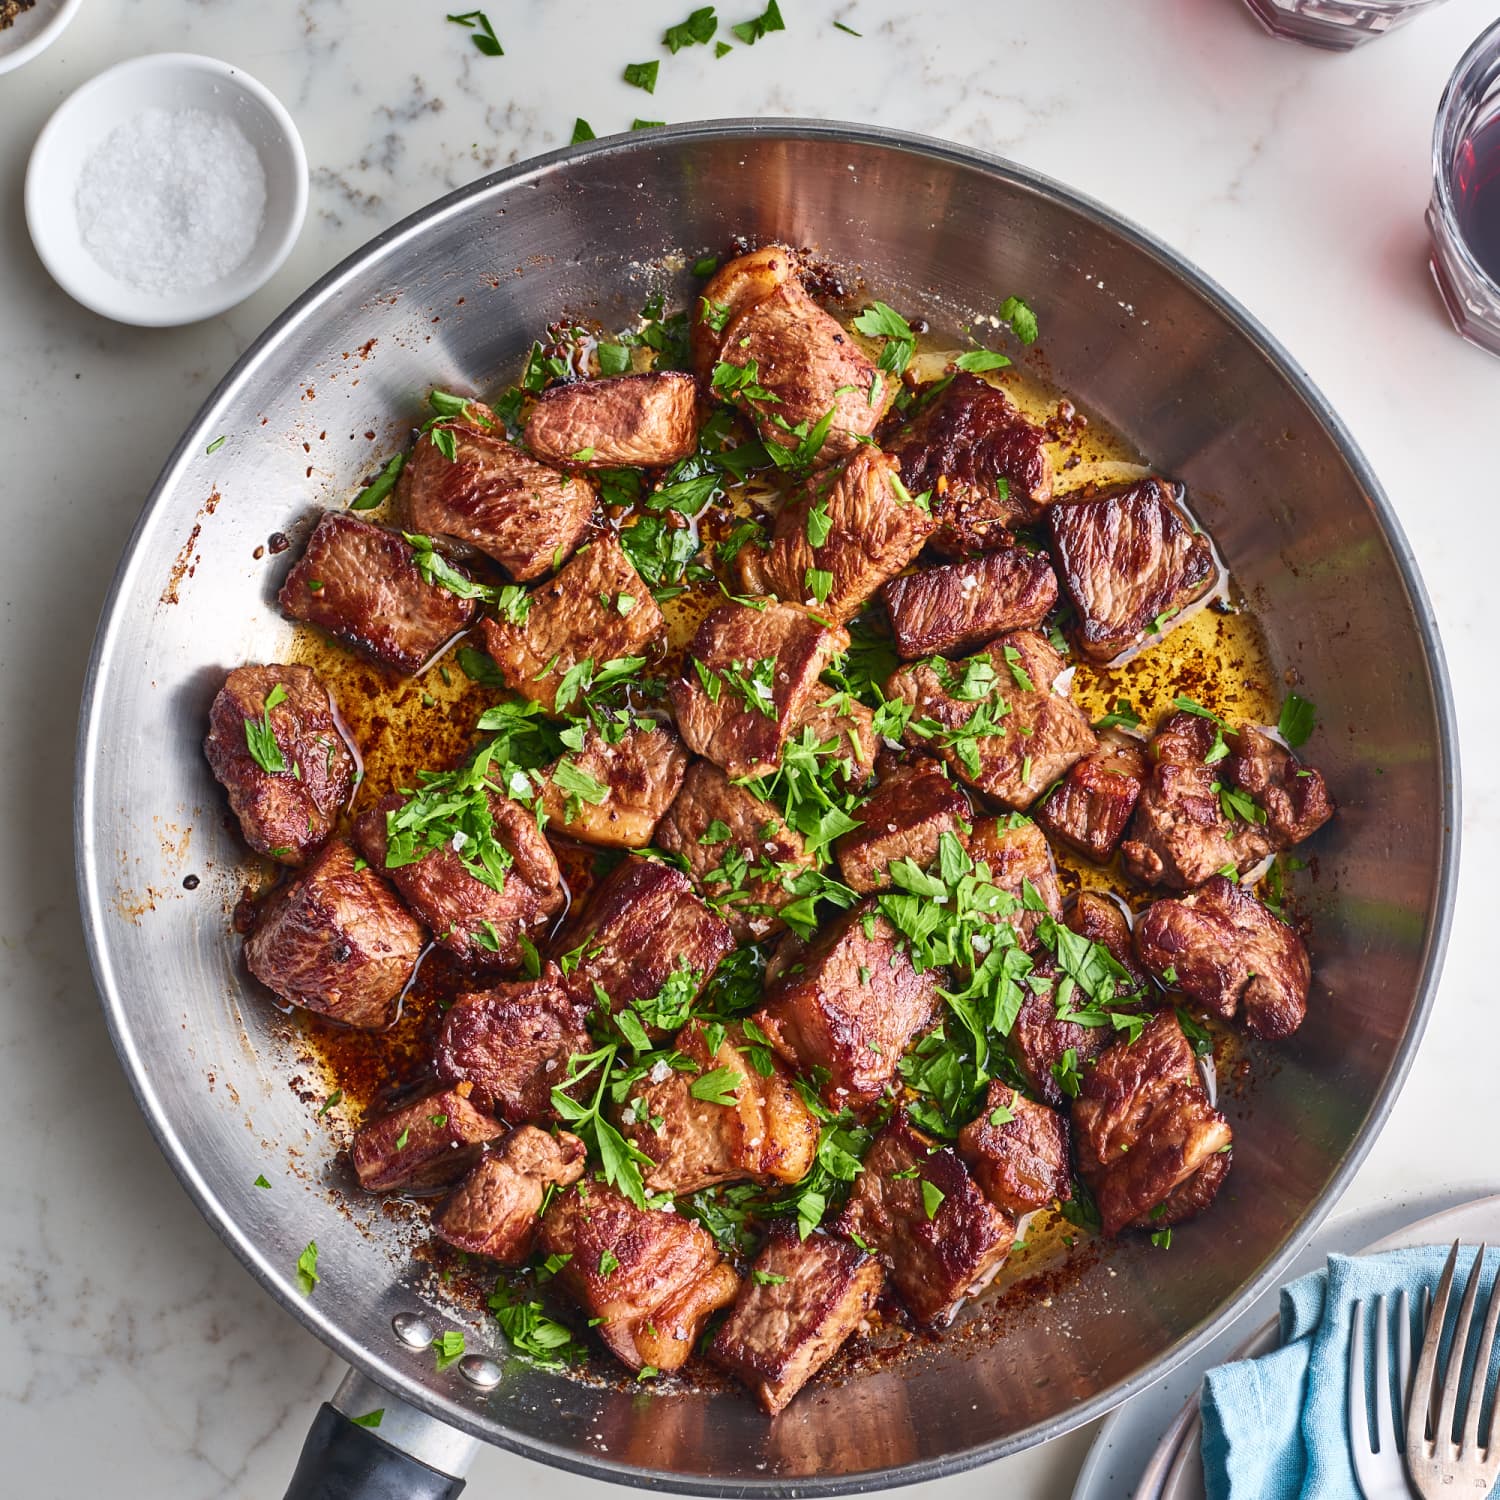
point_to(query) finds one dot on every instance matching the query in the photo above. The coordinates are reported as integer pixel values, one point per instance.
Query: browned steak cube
(512, 1043)
(495, 1210)
(752, 674)
(360, 583)
(336, 940)
(651, 1278)
(739, 852)
(613, 793)
(434, 1140)
(986, 467)
(1143, 1126)
(1091, 806)
(1293, 798)
(753, 1124)
(632, 421)
(839, 538)
(494, 496)
(1222, 947)
(645, 940)
(596, 609)
(289, 811)
(916, 1207)
(906, 815)
(793, 364)
(1128, 555)
(1185, 828)
(842, 730)
(1102, 919)
(802, 1300)
(853, 1006)
(738, 284)
(960, 605)
(467, 916)
(1050, 1051)
(994, 718)
(1017, 1150)
(1017, 855)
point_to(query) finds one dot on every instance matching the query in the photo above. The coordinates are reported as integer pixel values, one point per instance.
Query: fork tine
(1454, 1374)
(1359, 1410)
(1424, 1388)
(1430, 1416)
(1470, 1438)
(1385, 1428)
(1403, 1357)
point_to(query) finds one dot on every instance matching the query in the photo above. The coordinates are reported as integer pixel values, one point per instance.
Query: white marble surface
(137, 1358)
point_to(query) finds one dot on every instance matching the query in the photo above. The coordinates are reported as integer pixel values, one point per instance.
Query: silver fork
(1377, 1458)
(1438, 1466)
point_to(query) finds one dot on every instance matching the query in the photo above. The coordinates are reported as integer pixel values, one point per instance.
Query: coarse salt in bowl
(166, 190)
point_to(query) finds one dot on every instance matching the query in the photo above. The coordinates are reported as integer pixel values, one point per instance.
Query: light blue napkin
(1275, 1428)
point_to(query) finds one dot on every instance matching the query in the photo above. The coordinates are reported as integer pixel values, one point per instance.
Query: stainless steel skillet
(452, 297)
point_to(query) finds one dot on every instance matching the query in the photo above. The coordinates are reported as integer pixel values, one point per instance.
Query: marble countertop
(1298, 179)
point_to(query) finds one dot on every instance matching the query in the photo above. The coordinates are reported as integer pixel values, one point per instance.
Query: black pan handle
(348, 1459)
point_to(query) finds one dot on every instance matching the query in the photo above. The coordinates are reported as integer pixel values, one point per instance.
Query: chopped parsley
(621, 1160)
(932, 1198)
(582, 131)
(1298, 720)
(307, 1269)
(217, 443)
(260, 737)
(334, 1098)
(767, 1278)
(1021, 319)
(531, 1331)
(449, 1347)
(751, 31)
(697, 30)
(482, 34)
(512, 603)
(717, 1086)
(819, 583)
(977, 361)
(370, 1418)
(643, 75)
(261, 1182)
(1121, 714)
(879, 320)
(378, 488)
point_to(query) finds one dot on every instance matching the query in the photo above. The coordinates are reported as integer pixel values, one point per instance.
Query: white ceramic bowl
(166, 80)
(34, 31)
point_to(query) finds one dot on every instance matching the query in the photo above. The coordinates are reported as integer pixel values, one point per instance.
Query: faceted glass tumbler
(1467, 115)
(1338, 24)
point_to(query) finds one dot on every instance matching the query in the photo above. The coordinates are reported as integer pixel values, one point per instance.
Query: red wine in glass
(1476, 193)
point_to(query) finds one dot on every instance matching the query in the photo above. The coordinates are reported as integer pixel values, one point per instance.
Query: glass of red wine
(1337, 24)
(1464, 215)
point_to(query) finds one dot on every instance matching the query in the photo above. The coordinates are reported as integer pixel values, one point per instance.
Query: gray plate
(451, 297)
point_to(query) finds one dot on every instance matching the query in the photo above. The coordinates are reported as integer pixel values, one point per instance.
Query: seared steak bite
(494, 496)
(916, 1206)
(471, 919)
(1050, 1051)
(1143, 1126)
(288, 812)
(336, 940)
(852, 1006)
(1017, 1150)
(1091, 806)
(512, 1043)
(739, 851)
(1294, 798)
(751, 675)
(1184, 828)
(788, 364)
(629, 421)
(765, 1133)
(360, 582)
(424, 1144)
(1127, 556)
(843, 730)
(596, 609)
(985, 466)
(613, 792)
(994, 718)
(803, 1299)
(496, 1209)
(1222, 947)
(651, 1278)
(1017, 854)
(839, 538)
(1101, 919)
(643, 939)
(961, 605)
(907, 813)
(735, 286)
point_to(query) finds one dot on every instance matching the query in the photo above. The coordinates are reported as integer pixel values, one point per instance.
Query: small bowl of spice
(28, 27)
(166, 190)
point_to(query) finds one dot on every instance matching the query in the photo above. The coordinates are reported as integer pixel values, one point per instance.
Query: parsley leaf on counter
(582, 131)
(847, 30)
(697, 30)
(639, 124)
(483, 37)
(750, 32)
(643, 75)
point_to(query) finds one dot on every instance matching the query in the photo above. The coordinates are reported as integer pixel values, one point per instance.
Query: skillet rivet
(482, 1373)
(412, 1329)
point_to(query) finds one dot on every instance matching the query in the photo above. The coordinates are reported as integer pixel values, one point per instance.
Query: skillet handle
(344, 1459)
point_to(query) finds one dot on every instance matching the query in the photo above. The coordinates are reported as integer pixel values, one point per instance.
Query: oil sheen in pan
(1215, 654)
